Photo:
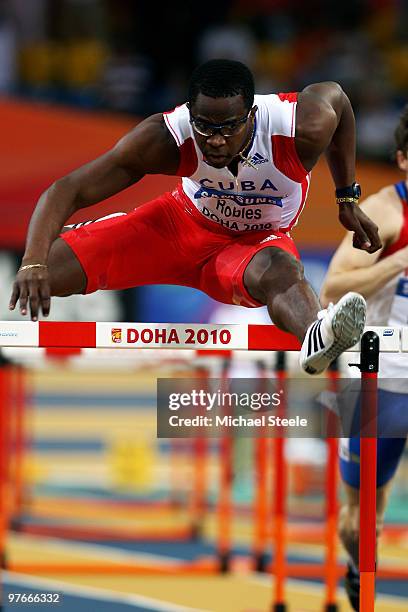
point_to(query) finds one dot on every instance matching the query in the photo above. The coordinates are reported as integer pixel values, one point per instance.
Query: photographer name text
(237, 421)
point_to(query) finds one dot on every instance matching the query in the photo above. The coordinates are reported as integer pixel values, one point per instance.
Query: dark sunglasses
(225, 129)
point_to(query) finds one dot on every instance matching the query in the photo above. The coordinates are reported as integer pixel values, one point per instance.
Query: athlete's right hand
(365, 232)
(32, 287)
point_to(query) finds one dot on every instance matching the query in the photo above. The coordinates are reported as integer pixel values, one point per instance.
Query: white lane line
(98, 551)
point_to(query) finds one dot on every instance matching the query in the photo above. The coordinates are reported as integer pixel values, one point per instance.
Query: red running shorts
(167, 241)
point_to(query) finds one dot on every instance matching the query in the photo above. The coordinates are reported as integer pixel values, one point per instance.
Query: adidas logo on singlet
(258, 159)
(271, 237)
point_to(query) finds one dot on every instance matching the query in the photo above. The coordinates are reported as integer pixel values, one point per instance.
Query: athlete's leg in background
(349, 517)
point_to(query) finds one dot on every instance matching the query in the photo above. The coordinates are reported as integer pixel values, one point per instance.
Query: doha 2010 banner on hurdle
(168, 335)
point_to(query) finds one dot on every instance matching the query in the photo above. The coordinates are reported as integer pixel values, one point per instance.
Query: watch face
(357, 190)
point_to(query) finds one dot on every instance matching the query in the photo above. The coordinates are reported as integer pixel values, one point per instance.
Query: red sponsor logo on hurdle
(116, 335)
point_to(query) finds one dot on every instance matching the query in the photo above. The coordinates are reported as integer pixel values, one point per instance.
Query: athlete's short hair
(222, 78)
(401, 132)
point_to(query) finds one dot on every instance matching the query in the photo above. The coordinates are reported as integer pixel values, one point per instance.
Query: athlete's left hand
(366, 235)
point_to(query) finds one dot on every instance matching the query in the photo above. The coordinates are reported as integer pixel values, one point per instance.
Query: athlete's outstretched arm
(355, 270)
(325, 123)
(148, 149)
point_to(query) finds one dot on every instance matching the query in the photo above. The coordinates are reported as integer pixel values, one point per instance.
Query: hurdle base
(196, 532)
(279, 607)
(3, 561)
(331, 607)
(16, 524)
(261, 563)
(224, 562)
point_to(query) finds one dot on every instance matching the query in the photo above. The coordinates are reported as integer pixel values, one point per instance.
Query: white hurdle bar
(54, 334)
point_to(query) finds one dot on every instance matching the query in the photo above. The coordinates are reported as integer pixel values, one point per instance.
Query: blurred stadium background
(74, 76)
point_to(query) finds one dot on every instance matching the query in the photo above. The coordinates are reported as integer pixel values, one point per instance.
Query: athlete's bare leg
(66, 274)
(276, 278)
(349, 519)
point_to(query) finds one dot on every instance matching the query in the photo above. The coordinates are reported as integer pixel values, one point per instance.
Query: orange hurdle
(279, 506)
(261, 507)
(5, 448)
(368, 470)
(332, 426)
(3, 468)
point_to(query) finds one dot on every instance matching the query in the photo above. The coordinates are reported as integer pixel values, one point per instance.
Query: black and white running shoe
(352, 586)
(336, 329)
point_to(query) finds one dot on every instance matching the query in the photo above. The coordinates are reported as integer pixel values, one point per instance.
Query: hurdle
(196, 336)
(186, 528)
(332, 426)
(279, 510)
(368, 469)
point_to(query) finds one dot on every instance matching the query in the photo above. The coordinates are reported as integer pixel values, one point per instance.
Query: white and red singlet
(205, 232)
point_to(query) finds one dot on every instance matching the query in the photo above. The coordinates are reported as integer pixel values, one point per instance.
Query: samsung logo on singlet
(242, 199)
(238, 198)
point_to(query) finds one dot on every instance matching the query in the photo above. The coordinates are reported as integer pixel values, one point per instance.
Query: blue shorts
(392, 417)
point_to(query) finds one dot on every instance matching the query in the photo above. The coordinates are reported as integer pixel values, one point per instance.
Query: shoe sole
(348, 326)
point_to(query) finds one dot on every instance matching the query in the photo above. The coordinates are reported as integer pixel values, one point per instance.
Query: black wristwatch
(347, 195)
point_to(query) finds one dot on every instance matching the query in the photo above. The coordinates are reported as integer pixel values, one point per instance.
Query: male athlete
(383, 279)
(246, 165)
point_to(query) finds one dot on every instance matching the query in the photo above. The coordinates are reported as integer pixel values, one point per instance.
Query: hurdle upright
(369, 365)
(174, 336)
